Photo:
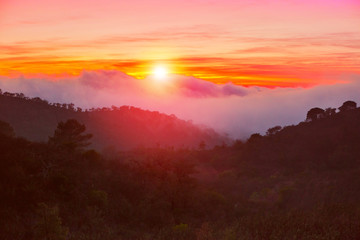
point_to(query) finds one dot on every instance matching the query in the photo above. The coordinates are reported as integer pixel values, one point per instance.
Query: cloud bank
(228, 108)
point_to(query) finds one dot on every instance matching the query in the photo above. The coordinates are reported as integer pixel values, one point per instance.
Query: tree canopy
(348, 105)
(314, 114)
(6, 129)
(70, 135)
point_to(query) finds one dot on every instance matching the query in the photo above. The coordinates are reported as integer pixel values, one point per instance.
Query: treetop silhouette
(70, 136)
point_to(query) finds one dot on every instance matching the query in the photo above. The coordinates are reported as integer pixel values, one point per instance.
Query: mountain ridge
(123, 128)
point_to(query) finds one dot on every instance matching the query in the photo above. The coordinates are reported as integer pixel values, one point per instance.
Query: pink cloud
(194, 87)
(236, 110)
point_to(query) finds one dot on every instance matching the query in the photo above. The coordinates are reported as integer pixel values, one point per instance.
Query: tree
(49, 226)
(238, 144)
(71, 106)
(314, 114)
(329, 111)
(6, 129)
(254, 138)
(70, 135)
(348, 105)
(273, 130)
(202, 145)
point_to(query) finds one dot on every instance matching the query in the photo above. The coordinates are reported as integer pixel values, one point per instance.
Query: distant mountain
(121, 128)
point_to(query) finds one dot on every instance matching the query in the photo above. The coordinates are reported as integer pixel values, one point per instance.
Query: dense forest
(118, 128)
(294, 182)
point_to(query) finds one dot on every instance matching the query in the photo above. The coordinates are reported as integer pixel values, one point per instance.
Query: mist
(235, 110)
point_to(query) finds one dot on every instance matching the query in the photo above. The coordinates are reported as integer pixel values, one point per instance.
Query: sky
(267, 43)
(235, 60)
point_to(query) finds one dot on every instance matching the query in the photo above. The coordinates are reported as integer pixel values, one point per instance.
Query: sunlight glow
(160, 72)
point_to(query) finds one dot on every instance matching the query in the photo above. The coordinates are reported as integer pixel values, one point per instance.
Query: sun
(160, 72)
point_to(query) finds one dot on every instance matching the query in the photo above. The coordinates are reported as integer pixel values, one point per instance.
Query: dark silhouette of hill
(326, 140)
(118, 127)
(295, 182)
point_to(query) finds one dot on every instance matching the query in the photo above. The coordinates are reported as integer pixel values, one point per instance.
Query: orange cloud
(266, 61)
(217, 70)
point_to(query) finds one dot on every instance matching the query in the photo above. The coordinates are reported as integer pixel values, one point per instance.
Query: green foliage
(181, 231)
(49, 226)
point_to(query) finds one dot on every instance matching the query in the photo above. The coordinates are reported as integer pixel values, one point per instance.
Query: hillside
(119, 128)
(296, 182)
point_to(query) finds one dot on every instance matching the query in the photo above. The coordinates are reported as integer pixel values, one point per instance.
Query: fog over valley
(235, 110)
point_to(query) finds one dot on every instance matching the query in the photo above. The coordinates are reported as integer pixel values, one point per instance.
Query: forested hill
(296, 182)
(120, 128)
(328, 140)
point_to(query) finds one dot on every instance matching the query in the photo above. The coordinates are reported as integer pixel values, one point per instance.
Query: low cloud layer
(236, 110)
